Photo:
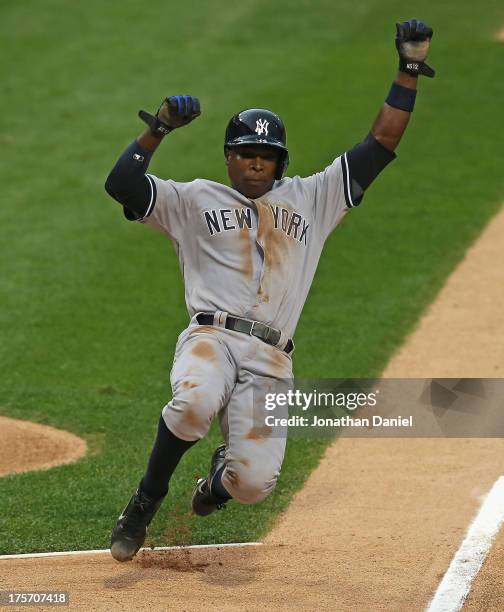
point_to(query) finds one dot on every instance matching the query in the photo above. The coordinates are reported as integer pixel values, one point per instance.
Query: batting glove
(174, 112)
(412, 43)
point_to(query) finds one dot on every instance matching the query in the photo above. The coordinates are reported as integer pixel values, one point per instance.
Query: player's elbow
(110, 185)
(116, 189)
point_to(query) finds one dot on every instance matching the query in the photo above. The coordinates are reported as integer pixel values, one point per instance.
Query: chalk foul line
(107, 550)
(454, 588)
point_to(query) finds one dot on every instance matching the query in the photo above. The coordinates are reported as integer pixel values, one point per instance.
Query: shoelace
(140, 505)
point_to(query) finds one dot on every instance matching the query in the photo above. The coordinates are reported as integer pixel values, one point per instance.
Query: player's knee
(190, 412)
(246, 485)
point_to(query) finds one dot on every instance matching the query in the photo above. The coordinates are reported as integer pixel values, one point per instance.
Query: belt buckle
(264, 333)
(252, 328)
(261, 330)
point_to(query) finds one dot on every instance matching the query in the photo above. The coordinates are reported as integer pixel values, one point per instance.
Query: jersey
(251, 258)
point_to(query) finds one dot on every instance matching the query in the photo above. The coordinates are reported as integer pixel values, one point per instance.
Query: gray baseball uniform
(254, 259)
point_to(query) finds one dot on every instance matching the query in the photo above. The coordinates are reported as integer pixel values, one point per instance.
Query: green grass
(91, 306)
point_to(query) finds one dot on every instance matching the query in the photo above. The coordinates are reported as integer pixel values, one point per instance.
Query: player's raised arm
(367, 159)
(412, 42)
(127, 182)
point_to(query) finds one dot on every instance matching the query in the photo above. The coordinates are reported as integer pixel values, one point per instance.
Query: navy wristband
(401, 97)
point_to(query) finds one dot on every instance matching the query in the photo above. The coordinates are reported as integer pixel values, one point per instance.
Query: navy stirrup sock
(165, 456)
(217, 486)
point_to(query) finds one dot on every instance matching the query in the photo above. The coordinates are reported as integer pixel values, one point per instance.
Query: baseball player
(248, 253)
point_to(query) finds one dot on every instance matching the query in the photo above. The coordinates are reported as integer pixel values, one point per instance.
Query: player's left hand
(412, 43)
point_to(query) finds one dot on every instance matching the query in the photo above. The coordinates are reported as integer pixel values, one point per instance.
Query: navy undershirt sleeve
(365, 161)
(128, 184)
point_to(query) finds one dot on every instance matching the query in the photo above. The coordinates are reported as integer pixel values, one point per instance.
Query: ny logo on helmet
(261, 127)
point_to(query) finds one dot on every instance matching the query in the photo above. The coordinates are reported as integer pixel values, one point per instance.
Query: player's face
(251, 169)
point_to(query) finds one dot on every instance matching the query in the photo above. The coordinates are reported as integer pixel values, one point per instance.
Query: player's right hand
(177, 111)
(412, 43)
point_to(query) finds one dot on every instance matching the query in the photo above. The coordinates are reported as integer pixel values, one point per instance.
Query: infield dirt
(377, 523)
(31, 446)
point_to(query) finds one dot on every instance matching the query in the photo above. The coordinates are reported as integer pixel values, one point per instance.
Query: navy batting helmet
(259, 126)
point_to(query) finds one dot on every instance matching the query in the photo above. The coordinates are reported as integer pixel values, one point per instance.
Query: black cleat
(204, 502)
(131, 528)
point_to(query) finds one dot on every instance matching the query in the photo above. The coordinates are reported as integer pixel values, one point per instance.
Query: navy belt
(267, 334)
